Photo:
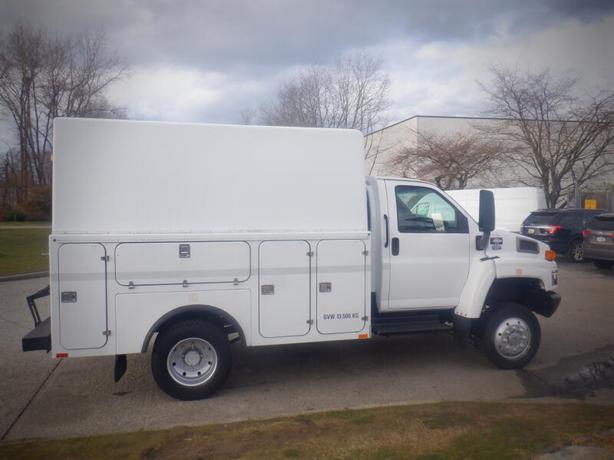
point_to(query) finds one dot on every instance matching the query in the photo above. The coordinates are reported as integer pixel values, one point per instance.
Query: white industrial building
(383, 145)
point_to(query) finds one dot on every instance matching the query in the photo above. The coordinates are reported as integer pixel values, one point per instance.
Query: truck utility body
(181, 238)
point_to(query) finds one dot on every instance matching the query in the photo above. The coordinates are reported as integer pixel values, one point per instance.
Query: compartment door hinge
(105, 258)
(106, 333)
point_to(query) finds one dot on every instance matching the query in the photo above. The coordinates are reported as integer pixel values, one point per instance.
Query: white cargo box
(136, 177)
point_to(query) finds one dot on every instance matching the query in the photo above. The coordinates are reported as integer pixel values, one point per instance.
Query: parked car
(561, 229)
(599, 240)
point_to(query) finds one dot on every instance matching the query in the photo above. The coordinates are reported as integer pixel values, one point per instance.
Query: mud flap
(462, 330)
(121, 364)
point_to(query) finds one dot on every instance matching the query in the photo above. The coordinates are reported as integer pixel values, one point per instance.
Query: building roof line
(461, 117)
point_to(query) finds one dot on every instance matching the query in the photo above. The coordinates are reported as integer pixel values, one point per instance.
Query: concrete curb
(24, 276)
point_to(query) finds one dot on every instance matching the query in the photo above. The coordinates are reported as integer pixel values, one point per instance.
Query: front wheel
(604, 264)
(191, 359)
(511, 336)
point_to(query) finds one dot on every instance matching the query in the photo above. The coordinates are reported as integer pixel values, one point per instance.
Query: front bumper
(599, 253)
(543, 302)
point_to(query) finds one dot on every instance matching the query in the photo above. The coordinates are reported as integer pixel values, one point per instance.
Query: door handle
(386, 225)
(395, 246)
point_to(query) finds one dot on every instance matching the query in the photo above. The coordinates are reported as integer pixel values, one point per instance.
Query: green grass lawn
(23, 247)
(469, 430)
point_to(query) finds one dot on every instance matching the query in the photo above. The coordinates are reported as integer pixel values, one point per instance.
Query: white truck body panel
(82, 312)
(202, 262)
(284, 295)
(341, 307)
(512, 204)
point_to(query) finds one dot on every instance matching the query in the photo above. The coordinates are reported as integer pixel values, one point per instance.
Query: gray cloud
(222, 35)
(240, 49)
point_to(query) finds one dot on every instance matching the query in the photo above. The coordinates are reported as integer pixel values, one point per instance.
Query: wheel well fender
(524, 291)
(208, 312)
(480, 279)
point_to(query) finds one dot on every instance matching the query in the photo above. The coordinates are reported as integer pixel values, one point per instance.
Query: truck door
(83, 295)
(284, 288)
(428, 250)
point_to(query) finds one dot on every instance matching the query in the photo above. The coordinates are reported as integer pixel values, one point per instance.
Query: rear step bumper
(38, 338)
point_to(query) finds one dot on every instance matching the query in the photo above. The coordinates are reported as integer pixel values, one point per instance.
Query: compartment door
(341, 277)
(83, 295)
(284, 295)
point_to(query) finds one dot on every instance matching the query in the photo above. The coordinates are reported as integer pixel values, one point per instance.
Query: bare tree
(352, 93)
(450, 161)
(42, 78)
(557, 139)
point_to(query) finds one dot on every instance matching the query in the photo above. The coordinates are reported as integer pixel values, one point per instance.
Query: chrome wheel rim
(578, 252)
(192, 361)
(513, 338)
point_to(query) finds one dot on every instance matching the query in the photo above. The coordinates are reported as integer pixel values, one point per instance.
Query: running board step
(408, 327)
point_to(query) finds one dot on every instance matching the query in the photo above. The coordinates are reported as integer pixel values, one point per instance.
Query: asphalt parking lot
(44, 398)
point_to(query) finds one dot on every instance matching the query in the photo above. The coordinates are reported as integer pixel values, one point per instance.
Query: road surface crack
(36, 392)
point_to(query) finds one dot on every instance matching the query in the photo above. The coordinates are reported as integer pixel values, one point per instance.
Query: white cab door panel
(428, 248)
(341, 278)
(83, 295)
(284, 288)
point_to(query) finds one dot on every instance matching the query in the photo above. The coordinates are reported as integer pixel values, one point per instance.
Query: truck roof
(117, 176)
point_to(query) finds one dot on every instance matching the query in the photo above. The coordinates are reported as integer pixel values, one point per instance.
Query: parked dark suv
(599, 240)
(561, 229)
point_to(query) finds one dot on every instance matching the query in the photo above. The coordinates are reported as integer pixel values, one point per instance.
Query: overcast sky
(208, 60)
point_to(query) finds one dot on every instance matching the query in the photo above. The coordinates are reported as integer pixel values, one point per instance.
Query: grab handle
(387, 236)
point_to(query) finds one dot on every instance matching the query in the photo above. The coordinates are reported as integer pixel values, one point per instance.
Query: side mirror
(487, 211)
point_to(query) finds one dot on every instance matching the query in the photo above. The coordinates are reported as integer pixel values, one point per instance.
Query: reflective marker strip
(61, 355)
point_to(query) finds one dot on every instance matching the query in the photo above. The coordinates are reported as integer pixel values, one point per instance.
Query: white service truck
(183, 238)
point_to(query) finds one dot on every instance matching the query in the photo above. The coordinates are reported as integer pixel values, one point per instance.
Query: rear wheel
(576, 251)
(511, 336)
(605, 264)
(191, 359)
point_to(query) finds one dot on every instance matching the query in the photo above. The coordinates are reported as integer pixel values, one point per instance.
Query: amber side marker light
(550, 255)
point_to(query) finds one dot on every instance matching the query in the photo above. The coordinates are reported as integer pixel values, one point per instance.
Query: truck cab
(434, 268)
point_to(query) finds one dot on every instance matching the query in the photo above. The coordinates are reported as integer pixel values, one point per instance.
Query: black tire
(576, 252)
(604, 264)
(215, 349)
(512, 318)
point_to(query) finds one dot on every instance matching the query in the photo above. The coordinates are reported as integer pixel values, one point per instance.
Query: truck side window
(423, 210)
